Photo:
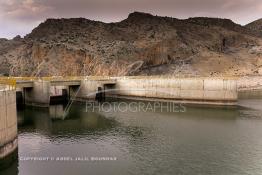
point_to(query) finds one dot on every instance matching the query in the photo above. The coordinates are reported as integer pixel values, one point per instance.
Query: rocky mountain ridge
(255, 26)
(142, 44)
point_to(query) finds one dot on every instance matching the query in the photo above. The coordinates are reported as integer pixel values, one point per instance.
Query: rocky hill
(142, 44)
(255, 26)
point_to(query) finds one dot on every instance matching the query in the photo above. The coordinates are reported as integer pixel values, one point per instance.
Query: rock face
(142, 44)
(255, 26)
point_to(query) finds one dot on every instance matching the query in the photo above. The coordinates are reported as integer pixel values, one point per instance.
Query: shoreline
(249, 83)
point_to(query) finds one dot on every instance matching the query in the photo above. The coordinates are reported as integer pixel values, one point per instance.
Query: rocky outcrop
(142, 44)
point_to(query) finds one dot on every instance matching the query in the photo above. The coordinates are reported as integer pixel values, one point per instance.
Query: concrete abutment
(8, 125)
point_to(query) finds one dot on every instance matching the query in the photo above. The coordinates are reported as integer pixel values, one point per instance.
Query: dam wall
(8, 123)
(188, 90)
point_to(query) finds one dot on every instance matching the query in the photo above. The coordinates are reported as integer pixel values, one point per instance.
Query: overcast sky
(19, 17)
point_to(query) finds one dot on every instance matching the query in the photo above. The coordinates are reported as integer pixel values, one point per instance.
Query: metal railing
(7, 83)
(62, 78)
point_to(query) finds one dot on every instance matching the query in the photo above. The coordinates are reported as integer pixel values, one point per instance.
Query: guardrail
(62, 78)
(10, 82)
(7, 83)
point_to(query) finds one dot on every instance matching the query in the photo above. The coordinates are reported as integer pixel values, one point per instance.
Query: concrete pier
(89, 88)
(8, 123)
(39, 94)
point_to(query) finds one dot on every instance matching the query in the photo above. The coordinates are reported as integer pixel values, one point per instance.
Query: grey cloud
(30, 12)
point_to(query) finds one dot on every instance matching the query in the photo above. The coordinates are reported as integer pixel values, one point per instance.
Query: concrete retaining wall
(8, 123)
(187, 89)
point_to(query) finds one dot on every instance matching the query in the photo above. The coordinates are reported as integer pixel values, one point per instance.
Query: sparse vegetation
(142, 44)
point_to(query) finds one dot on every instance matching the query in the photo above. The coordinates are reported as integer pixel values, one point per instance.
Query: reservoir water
(197, 140)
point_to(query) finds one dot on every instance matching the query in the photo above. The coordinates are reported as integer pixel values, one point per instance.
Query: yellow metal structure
(7, 83)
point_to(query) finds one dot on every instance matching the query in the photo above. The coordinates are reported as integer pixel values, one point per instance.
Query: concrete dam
(42, 91)
(213, 91)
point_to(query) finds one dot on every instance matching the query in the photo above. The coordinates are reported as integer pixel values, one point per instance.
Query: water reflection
(201, 140)
(250, 104)
(50, 121)
(57, 112)
(255, 94)
(9, 166)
